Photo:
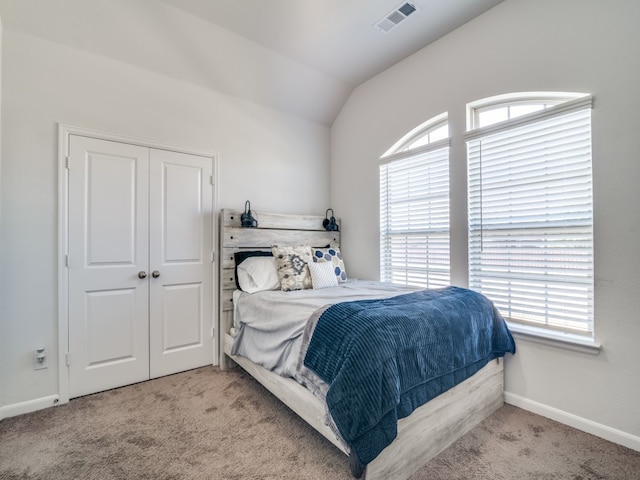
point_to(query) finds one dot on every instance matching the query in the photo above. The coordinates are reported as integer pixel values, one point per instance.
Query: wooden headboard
(273, 229)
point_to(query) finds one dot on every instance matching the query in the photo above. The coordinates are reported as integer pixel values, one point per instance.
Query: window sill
(566, 341)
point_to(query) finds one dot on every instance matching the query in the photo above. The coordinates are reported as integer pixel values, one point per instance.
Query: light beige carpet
(209, 424)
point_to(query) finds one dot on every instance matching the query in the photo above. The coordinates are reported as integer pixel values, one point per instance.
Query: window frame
(425, 128)
(398, 153)
(551, 99)
(558, 104)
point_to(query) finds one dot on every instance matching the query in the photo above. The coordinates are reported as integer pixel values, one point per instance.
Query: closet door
(140, 263)
(108, 263)
(181, 245)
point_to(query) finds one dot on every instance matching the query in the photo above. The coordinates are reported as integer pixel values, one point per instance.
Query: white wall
(277, 160)
(522, 45)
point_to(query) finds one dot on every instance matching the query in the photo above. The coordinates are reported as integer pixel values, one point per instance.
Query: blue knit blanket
(384, 358)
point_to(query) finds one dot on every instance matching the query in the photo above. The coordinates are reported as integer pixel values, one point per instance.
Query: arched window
(530, 208)
(500, 108)
(414, 207)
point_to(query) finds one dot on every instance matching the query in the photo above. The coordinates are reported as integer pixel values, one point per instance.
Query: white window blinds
(414, 218)
(530, 217)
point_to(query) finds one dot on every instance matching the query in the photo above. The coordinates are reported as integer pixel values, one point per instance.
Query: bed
(427, 431)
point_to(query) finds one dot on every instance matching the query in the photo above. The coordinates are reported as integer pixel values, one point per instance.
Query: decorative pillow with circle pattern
(333, 255)
(291, 263)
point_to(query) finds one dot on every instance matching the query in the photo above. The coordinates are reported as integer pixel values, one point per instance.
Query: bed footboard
(435, 425)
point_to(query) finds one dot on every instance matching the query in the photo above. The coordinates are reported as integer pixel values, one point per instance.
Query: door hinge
(68, 359)
(66, 261)
(67, 163)
(212, 256)
(211, 179)
(212, 331)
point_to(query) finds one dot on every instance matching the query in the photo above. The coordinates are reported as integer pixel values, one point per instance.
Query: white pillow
(322, 275)
(256, 274)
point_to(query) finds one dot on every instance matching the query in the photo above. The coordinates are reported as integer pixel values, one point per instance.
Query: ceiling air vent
(395, 17)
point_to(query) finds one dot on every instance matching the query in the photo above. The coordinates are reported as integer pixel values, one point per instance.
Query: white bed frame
(426, 432)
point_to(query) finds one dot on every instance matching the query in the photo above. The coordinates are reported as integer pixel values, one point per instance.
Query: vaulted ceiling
(303, 57)
(337, 37)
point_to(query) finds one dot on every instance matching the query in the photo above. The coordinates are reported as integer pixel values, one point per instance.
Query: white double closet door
(140, 263)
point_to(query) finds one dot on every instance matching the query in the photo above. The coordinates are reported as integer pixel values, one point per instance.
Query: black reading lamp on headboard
(330, 224)
(246, 219)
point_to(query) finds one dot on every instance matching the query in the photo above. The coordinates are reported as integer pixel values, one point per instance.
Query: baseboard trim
(14, 409)
(589, 426)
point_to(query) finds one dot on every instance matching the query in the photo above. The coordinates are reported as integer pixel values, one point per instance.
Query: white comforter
(269, 324)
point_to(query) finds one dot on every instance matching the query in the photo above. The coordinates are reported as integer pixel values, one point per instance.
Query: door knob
(155, 274)
(142, 274)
